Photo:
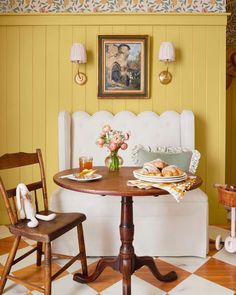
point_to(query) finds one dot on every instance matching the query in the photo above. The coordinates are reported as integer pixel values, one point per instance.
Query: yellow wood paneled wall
(36, 82)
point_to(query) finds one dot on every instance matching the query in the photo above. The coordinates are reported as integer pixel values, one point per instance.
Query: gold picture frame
(123, 66)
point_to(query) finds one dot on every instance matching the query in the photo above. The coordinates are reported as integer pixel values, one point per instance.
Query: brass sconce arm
(80, 78)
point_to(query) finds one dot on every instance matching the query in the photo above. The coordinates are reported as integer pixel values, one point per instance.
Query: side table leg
(102, 264)
(150, 263)
(127, 256)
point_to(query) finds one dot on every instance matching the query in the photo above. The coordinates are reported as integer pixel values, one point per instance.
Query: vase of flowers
(113, 140)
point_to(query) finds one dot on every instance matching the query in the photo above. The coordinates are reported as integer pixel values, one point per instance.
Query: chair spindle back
(9, 161)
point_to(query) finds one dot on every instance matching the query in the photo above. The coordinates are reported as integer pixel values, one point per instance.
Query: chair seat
(47, 231)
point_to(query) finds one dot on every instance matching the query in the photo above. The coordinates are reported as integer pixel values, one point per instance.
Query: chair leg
(39, 253)
(83, 258)
(8, 264)
(48, 269)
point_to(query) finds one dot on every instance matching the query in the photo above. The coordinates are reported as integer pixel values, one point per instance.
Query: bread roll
(151, 169)
(160, 164)
(171, 170)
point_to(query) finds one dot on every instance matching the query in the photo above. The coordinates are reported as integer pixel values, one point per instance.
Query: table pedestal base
(126, 262)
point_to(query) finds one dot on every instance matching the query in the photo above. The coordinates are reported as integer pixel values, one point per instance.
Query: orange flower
(158, 1)
(135, 1)
(104, 1)
(50, 2)
(81, 1)
(27, 2)
(213, 2)
(174, 2)
(66, 2)
(120, 2)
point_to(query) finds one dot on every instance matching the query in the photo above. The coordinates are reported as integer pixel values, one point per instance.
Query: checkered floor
(215, 274)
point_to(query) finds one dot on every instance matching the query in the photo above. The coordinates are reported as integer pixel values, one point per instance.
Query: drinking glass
(85, 162)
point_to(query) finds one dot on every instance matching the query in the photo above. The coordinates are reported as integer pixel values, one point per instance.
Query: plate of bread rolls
(160, 171)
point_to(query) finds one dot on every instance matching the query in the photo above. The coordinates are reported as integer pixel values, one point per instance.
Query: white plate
(160, 178)
(72, 177)
(163, 178)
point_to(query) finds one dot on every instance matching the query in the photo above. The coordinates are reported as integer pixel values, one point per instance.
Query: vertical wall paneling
(173, 89)
(213, 123)
(146, 104)
(65, 85)
(186, 69)
(39, 92)
(3, 104)
(36, 77)
(157, 89)
(78, 92)
(3, 101)
(13, 97)
(26, 101)
(52, 102)
(91, 69)
(199, 95)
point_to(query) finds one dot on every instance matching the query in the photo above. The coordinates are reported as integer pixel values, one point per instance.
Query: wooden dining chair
(45, 232)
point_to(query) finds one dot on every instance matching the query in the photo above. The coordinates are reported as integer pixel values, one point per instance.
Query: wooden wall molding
(91, 19)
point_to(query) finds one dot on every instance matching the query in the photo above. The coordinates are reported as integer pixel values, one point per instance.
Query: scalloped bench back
(78, 133)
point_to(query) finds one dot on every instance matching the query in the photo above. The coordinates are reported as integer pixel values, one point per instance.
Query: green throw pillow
(181, 159)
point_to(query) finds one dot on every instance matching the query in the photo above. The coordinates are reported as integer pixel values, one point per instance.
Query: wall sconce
(166, 54)
(78, 55)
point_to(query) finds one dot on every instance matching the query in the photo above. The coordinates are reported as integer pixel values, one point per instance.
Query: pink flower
(127, 135)
(117, 139)
(124, 146)
(100, 142)
(112, 146)
(106, 128)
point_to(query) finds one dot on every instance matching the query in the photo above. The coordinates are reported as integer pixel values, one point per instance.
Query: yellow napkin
(176, 189)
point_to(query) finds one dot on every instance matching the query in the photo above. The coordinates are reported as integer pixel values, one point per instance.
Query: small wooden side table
(113, 184)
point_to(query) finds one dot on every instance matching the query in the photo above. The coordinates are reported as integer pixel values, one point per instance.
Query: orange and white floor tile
(215, 274)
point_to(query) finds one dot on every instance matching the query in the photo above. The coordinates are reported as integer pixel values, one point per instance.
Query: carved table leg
(102, 264)
(127, 256)
(127, 262)
(150, 263)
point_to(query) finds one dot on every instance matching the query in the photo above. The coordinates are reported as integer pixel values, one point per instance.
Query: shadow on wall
(231, 43)
(230, 65)
(231, 24)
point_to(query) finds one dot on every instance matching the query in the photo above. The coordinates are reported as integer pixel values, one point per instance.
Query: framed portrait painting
(123, 66)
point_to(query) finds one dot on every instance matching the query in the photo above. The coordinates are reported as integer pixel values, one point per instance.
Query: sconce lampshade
(166, 52)
(78, 53)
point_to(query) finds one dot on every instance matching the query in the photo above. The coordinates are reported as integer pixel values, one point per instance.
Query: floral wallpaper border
(81, 6)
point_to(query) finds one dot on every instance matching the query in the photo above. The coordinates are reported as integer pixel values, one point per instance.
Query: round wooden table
(113, 184)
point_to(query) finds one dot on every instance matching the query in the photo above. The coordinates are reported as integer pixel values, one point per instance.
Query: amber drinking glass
(85, 163)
